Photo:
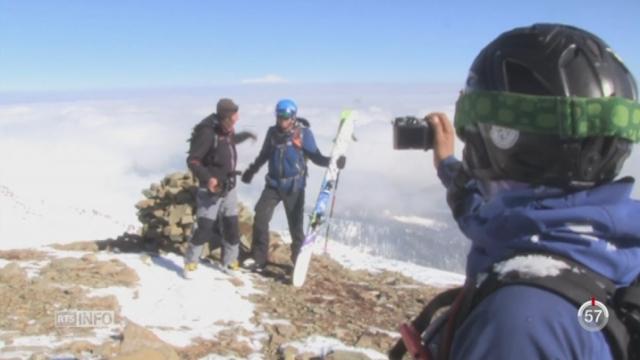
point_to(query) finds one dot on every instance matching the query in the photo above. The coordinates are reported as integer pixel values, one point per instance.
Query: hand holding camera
(443, 136)
(434, 131)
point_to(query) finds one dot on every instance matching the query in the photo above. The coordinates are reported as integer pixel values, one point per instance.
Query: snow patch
(355, 260)
(480, 278)
(531, 266)
(179, 310)
(589, 237)
(101, 335)
(580, 228)
(275, 321)
(323, 346)
(392, 334)
(611, 247)
(32, 268)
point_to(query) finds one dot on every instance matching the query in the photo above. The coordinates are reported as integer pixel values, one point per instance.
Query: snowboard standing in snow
(327, 190)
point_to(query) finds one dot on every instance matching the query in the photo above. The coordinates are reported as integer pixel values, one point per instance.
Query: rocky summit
(360, 309)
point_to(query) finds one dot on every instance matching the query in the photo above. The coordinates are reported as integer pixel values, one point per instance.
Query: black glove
(341, 162)
(247, 175)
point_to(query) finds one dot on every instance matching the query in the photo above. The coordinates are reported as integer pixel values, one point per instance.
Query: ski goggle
(285, 114)
(284, 118)
(574, 117)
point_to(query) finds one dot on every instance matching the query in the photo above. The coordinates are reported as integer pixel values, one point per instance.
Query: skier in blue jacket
(548, 117)
(286, 147)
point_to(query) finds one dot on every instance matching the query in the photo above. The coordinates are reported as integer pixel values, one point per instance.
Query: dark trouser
(294, 208)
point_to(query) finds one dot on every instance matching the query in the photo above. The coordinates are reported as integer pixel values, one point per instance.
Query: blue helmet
(286, 108)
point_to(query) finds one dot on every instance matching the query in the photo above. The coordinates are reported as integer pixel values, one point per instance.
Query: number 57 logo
(593, 315)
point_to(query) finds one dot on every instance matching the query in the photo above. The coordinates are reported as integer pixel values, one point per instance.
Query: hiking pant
(213, 209)
(294, 208)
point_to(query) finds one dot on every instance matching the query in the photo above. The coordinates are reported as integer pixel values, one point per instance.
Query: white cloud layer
(99, 152)
(267, 79)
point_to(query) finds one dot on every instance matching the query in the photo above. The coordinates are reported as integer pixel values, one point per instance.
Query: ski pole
(333, 203)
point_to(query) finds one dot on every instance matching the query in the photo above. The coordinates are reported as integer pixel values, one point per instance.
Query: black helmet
(557, 76)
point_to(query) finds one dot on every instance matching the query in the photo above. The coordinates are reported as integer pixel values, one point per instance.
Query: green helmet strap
(574, 117)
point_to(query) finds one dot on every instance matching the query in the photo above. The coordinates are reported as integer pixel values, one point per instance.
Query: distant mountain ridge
(433, 242)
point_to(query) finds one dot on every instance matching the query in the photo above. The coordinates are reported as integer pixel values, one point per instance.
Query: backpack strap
(213, 122)
(411, 332)
(210, 121)
(303, 157)
(627, 302)
(576, 285)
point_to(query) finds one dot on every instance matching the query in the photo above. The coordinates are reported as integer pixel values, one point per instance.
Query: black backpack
(210, 121)
(576, 286)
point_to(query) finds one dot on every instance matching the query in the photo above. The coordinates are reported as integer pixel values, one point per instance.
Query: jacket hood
(598, 227)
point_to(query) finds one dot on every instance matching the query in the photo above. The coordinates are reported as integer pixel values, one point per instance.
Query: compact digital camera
(410, 132)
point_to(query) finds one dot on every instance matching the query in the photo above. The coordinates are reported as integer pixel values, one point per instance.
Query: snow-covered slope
(29, 221)
(177, 311)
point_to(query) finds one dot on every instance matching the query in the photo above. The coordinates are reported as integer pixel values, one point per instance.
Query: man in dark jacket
(212, 159)
(286, 147)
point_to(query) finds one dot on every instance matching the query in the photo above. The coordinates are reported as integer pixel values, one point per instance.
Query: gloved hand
(341, 162)
(247, 175)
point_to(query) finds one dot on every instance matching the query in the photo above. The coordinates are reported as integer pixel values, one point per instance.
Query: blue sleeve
(447, 170)
(523, 322)
(309, 141)
(311, 149)
(463, 194)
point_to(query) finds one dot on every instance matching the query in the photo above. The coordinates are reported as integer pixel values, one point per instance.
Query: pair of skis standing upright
(327, 192)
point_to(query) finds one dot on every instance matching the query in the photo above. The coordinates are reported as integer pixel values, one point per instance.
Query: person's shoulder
(306, 132)
(303, 122)
(520, 321)
(210, 121)
(271, 129)
(204, 128)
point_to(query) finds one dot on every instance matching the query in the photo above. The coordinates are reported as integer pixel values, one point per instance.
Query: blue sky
(77, 45)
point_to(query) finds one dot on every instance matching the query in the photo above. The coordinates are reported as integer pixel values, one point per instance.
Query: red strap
(412, 342)
(447, 340)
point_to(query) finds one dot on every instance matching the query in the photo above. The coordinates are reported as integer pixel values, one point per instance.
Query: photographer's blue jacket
(598, 227)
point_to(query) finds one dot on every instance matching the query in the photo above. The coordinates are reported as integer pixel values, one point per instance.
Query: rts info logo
(85, 318)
